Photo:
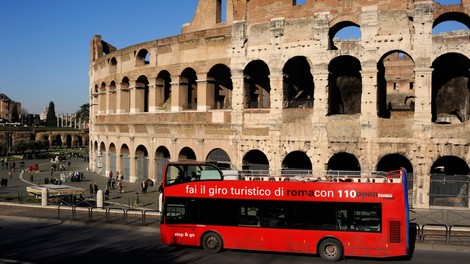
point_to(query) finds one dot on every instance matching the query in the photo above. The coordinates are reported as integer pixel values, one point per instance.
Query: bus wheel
(330, 250)
(212, 242)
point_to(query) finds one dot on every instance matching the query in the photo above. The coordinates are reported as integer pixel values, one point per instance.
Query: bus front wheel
(212, 242)
(330, 250)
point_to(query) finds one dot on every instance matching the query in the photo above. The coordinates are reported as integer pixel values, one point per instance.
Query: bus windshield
(186, 172)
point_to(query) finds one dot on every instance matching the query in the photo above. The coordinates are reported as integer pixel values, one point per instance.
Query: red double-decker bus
(329, 216)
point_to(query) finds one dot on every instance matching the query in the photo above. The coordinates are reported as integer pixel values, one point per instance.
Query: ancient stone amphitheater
(270, 87)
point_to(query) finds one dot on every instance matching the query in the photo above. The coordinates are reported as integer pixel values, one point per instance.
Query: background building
(269, 87)
(7, 108)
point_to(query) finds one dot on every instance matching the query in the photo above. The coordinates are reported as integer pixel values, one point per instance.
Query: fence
(449, 190)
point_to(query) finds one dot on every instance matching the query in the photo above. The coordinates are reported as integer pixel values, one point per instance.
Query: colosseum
(270, 87)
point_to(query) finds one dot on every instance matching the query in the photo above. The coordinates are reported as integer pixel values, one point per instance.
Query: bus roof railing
(331, 176)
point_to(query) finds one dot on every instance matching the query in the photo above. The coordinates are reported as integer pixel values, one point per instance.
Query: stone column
(205, 94)
(102, 101)
(275, 120)
(152, 96)
(320, 152)
(137, 98)
(159, 93)
(423, 93)
(123, 99)
(179, 95)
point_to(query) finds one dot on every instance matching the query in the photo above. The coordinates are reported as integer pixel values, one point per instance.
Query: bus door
(368, 237)
(179, 229)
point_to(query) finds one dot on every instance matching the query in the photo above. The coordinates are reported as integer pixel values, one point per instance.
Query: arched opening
(162, 157)
(220, 86)
(297, 163)
(142, 163)
(344, 162)
(449, 182)
(395, 80)
(163, 91)
(257, 85)
(255, 162)
(343, 32)
(142, 94)
(298, 83)
(450, 89)
(188, 86)
(142, 57)
(344, 86)
(187, 153)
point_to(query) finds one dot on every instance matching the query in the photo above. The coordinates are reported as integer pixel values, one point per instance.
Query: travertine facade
(272, 88)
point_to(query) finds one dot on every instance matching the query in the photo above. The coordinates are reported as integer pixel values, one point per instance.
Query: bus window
(274, 217)
(174, 174)
(367, 218)
(175, 213)
(249, 216)
(342, 219)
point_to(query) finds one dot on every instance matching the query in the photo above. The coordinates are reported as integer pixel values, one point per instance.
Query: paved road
(29, 240)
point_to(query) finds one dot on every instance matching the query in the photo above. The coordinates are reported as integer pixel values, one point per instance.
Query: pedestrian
(10, 174)
(113, 183)
(52, 170)
(144, 187)
(137, 199)
(110, 175)
(96, 188)
(120, 187)
(106, 193)
(91, 188)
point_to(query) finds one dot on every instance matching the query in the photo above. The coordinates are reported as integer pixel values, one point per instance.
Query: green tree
(51, 118)
(84, 112)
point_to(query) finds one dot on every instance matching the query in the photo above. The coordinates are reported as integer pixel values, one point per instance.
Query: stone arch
(125, 162)
(125, 96)
(102, 98)
(256, 160)
(112, 65)
(450, 89)
(112, 97)
(257, 87)
(187, 153)
(297, 162)
(394, 161)
(142, 57)
(219, 83)
(344, 161)
(298, 85)
(218, 154)
(449, 182)
(163, 90)
(344, 86)
(112, 157)
(188, 89)
(141, 163)
(142, 94)
(395, 83)
(454, 14)
(162, 157)
(339, 24)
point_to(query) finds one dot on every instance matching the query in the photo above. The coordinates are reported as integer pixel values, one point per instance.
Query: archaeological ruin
(272, 88)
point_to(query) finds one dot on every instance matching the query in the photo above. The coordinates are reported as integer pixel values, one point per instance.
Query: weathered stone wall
(274, 32)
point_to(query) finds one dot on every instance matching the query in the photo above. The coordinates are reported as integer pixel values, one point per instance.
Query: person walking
(136, 200)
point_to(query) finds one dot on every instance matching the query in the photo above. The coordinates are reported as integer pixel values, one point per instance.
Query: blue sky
(44, 45)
